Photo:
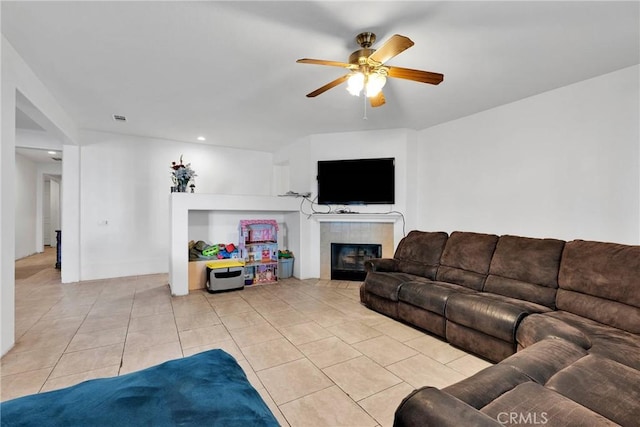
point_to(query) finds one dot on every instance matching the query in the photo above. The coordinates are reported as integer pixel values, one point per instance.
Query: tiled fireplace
(358, 233)
(348, 259)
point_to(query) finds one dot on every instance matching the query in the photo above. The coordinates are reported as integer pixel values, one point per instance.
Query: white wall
(292, 163)
(356, 145)
(222, 226)
(70, 210)
(25, 206)
(561, 164)
(17, 79)
(41, 140)
(124, 196)
(7, 198)
(300, 161)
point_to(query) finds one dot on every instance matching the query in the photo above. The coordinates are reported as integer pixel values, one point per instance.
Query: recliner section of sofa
(600, 281)
(525, 269)
(522, 278)
(466, 259)
(483, 286)
(554, 382)
(462, 269)
(562, 319)
(598, 302)
(417, 257)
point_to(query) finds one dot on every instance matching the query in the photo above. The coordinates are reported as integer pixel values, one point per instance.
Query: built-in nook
(309, 237)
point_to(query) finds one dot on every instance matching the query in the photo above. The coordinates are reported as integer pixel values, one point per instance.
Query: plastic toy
(210, 251)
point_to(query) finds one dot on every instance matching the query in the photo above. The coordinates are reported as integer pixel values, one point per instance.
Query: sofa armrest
(381, 264)
(429, 406)
(537, 327)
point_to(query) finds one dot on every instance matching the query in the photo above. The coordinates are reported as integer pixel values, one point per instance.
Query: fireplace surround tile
(353, 232)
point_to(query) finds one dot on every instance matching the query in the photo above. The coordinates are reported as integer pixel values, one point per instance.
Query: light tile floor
(313, 352)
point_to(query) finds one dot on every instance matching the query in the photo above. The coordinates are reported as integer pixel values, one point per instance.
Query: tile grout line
(69, 343)
(126, 335)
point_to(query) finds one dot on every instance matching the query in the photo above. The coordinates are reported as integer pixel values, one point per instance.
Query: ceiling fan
(367, 72)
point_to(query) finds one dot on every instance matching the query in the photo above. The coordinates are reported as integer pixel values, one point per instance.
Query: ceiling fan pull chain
(365, 107)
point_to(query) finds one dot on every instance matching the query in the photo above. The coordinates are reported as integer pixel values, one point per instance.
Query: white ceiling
(227, 70)
(40, 156)
(23, 121)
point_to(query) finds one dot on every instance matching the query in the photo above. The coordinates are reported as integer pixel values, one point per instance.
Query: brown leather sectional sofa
(562, 319)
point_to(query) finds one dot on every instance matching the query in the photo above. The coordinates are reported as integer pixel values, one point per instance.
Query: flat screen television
(356, 182)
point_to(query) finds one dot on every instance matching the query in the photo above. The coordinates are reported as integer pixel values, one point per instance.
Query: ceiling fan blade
(323, 62)
(415, 75)
(392, 47)
(378, 100)
(328, 86)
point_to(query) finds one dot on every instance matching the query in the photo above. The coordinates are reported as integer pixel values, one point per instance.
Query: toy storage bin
(225, 275)
(285, 268)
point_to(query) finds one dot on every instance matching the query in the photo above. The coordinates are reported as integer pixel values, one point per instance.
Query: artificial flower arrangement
(181, 174)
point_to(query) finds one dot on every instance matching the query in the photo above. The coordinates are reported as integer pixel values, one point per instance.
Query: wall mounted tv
(356, 182)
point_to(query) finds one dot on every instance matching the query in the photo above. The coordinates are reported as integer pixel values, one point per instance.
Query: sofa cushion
(429, 295)
(537, 363)
(419, 253)
(525, 268)
(601, 281)
(613, 313)
(592, 381)
(490, 316)
(545, 358)
(532, 404)
(386, 285)
(537, 327)
(606, 341)
(466, 258)
(530, 307)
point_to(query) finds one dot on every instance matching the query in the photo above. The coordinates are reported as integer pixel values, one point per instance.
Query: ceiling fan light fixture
(367, 69)
(355, 83)
(375, 83)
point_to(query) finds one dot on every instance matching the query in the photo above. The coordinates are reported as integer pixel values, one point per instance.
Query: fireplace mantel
(357, 217)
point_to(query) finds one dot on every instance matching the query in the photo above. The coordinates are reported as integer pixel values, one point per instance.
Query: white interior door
(46, 213)
(55, 210)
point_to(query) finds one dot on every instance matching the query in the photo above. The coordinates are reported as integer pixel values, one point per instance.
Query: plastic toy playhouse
(259, 248)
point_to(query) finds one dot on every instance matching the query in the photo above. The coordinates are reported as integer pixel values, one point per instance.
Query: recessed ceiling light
(51, 152)
(201, 138)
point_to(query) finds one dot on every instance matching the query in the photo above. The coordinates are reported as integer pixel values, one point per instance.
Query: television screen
(356, 182)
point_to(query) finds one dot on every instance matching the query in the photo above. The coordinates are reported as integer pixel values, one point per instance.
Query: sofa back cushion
(466, 258)
(526, 268)
(601, 281)
(419, 252)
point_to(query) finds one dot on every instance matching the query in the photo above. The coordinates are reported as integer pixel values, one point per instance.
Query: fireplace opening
(347, 259)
